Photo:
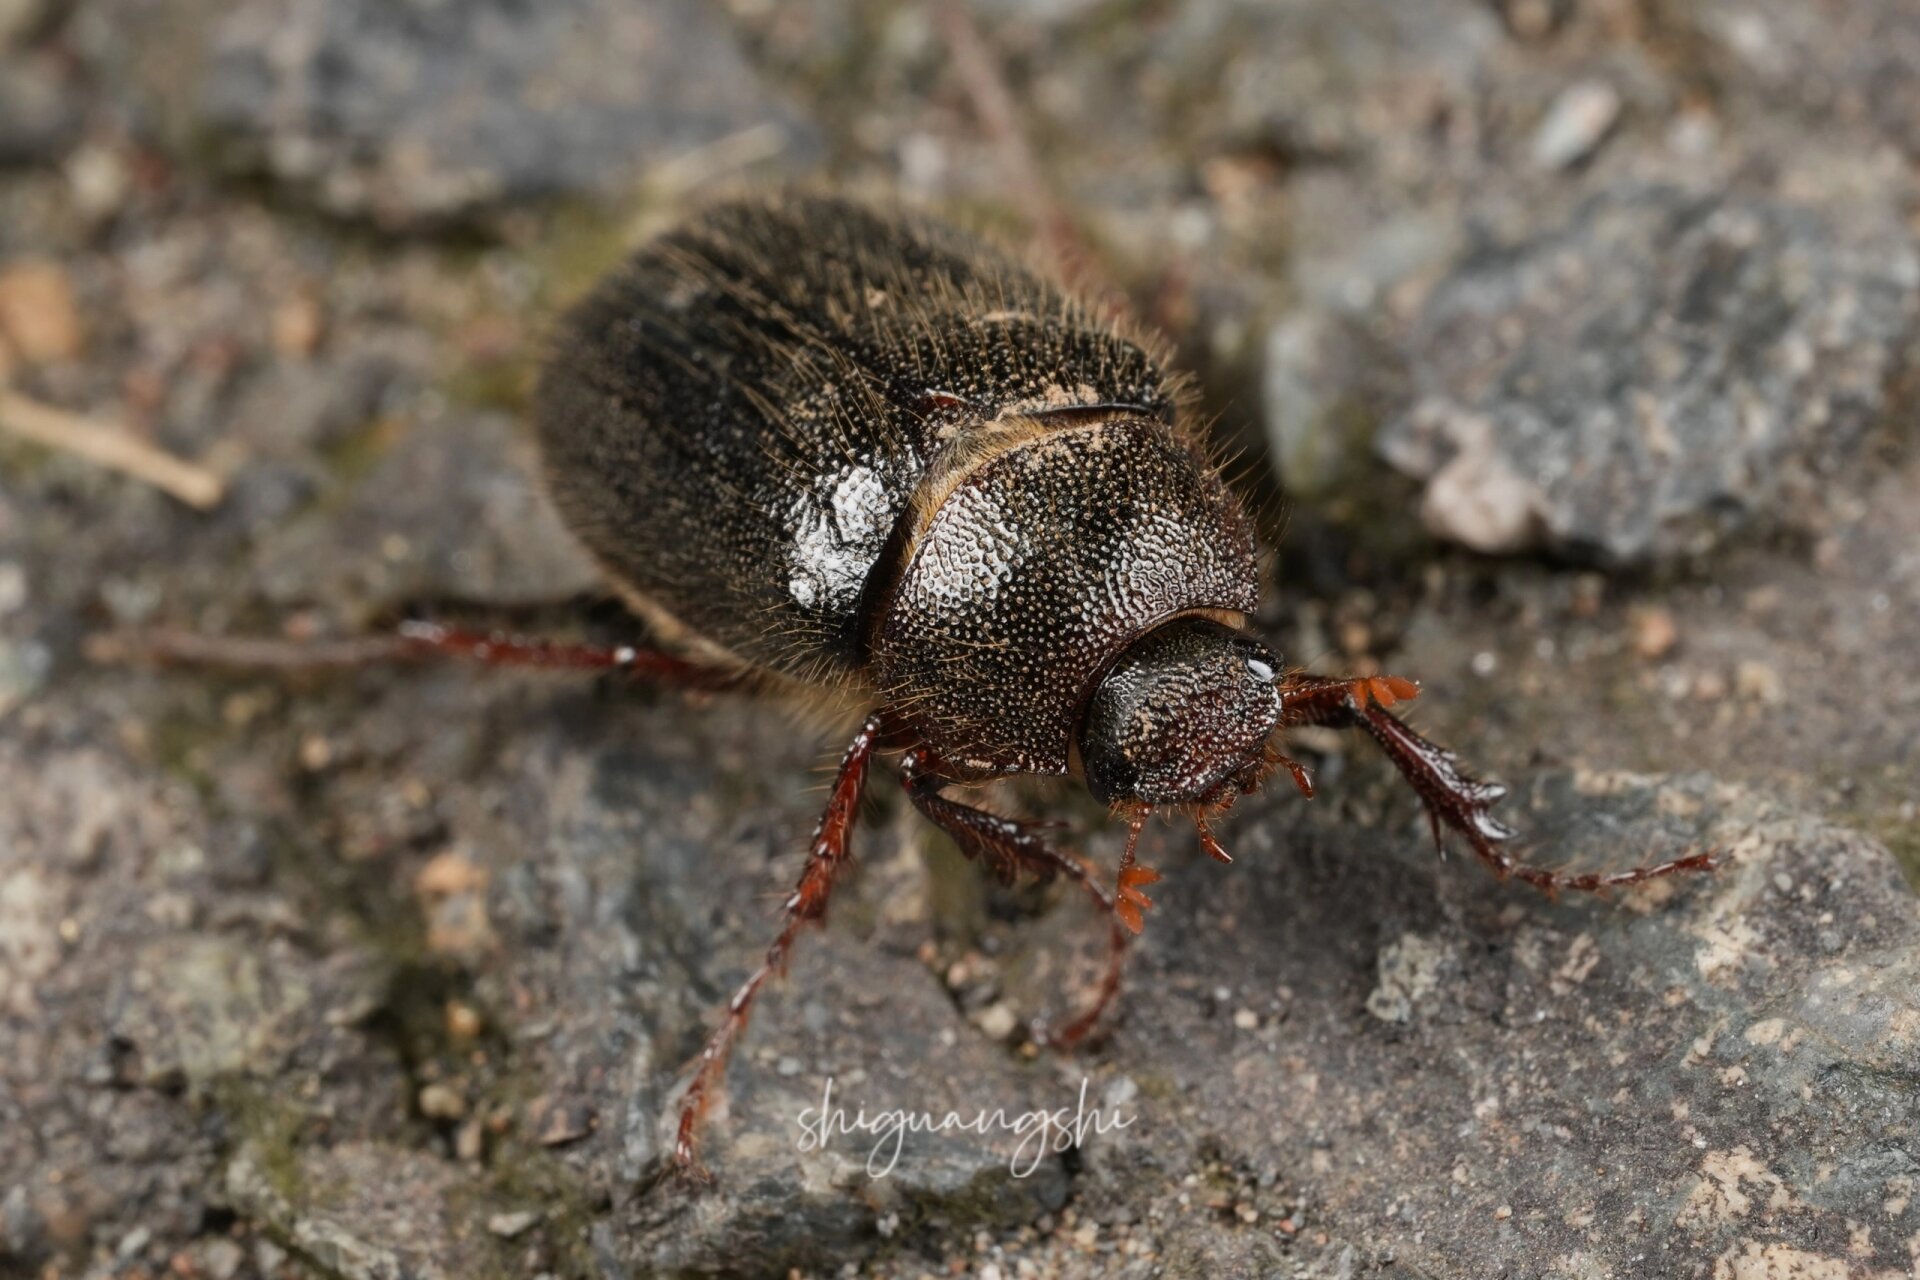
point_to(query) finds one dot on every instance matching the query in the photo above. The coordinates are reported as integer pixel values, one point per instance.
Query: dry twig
(110, 445)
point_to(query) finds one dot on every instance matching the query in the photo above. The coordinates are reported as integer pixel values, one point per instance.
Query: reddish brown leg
(1451, 796)
(413, 640)
(1010, 849)
(832, 850)
(427, 639)
(1128, 904)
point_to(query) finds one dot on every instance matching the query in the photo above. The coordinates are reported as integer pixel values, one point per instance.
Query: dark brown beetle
(857, 454)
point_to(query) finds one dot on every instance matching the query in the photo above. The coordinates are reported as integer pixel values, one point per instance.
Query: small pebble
(38, 314)
(297, 325)
(1576, 124)
(442, 1102)
(100, 179)
(470, 1141)
(18, 18)
(1758, 682)
(1654, 633)
(565, 1122)
(1246, 1019)
(449, 873)
(134, 1242)
(1534, 19)
(509, 1225)
(463, 1020)
(222, 1259)
(996, 1021)
(13, 587)
(316, 753)
(1504, 1212)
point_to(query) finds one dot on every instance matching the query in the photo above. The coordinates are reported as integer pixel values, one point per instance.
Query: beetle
(848, 452)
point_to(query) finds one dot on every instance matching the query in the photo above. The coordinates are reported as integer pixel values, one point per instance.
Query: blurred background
(1569, 348)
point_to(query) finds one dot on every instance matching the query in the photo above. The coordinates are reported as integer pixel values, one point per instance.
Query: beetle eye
(1261, 668)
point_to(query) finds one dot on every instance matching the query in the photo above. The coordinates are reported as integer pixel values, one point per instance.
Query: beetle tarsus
(1453, 799)
(831, 851)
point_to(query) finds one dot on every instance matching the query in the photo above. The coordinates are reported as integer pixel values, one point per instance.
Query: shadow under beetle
(856, 454)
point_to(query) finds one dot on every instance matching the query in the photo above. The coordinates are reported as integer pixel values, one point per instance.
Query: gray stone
(198, 1010)
(20, 19)
(40, 114)
(1659, 370)
(1318, 82)
(131, 965)
(1326, 385)
(1692, 1071)
(1840, 69)
(451, 514)
(361, 1211)
(249, 923)
(419, 111)
(1576, 124)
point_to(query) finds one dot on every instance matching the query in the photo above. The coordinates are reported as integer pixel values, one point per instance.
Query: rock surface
(424, 111)
(483, 532)
(1663, 368)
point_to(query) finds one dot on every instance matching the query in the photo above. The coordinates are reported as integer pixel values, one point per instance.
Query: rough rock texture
(1662, 368)
(394, 972)
(451, 514)
(422, 111)
(39, 115)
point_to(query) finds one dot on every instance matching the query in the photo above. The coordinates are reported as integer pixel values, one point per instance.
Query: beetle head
(1182, 718)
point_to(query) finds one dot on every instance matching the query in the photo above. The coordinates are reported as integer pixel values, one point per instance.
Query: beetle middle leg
(1452, 797)
(1010, 848)
(831, 852)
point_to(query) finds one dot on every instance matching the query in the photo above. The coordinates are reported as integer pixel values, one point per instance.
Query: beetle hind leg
(1454, 799)
(412, 641)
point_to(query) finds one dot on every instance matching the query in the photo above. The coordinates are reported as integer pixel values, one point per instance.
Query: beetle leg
(412, 640)
(1451, 796)
(831, 852)
(1006, 846)
(1128, 903)
(427, 639)
(1010, 848)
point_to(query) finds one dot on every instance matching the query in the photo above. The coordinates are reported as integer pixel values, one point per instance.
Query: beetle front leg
(1451, 796)
(1010, 848)
(831, 852)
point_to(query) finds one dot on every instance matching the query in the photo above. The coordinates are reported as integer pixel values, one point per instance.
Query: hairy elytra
(824, 445)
